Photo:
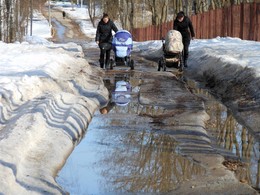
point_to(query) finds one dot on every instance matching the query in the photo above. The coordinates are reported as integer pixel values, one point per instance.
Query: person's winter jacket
(185, 28)
(104, 31)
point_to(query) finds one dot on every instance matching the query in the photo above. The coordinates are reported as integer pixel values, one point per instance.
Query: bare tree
(126, 13)
(177, 6)
(14, 16)
(202, 5)
(1, 19)
(91, 6)
(159, 9)
(9, 17)
(111, 7)
(214, 4)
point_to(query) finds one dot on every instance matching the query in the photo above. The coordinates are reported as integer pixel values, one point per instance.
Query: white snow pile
(231, 68)
(48, 96)
(224, 51)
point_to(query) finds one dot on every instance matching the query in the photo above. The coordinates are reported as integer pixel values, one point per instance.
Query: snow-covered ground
(48, 96)
(47, 99)
(230, 67)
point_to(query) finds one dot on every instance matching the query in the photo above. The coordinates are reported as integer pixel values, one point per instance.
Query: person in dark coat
(184, 25)
(104, 38)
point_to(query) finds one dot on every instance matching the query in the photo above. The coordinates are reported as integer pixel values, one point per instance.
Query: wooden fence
(241, 21)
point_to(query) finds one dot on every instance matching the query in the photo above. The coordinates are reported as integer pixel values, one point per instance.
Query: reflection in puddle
(228, 134)
(122, 154)
(121, 96)
(120, 160)
(145, 162)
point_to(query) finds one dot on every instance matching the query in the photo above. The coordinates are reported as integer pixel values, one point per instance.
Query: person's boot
(101, 64)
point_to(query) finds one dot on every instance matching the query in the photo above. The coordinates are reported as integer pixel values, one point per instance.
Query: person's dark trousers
(104, 52)
(186, 44)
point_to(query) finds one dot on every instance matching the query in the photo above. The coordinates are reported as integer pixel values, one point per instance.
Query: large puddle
(121, 153)
(61, 31)
(232, 140)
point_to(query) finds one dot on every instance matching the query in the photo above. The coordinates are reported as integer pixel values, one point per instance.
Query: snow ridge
(45, 109)
(235, 79)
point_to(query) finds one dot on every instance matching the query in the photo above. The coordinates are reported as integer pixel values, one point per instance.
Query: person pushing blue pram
(122, 45)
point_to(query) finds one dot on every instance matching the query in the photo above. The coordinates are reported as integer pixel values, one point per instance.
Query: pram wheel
(181, 62)
(162, 64)
(132, 64)
(159, 65)
(129, 62)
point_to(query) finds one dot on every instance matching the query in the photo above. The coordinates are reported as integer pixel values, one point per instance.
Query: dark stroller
(122, 46)
(172, 52)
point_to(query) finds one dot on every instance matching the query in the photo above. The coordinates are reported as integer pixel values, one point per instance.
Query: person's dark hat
(180, 14)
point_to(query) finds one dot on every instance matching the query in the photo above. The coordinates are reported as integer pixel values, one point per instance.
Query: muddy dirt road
(153, 140)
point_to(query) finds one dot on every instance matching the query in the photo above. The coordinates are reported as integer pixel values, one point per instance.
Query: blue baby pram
(122, 46)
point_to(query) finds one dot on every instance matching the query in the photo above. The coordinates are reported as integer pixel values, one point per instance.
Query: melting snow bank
(230, 67)
(48, 97)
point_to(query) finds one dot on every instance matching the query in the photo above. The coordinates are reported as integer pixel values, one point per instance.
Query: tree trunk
(111, 7)
(14, 17)
(159, 9)
(92, 11)
(177, 6)
(1, 23)
(125, 7)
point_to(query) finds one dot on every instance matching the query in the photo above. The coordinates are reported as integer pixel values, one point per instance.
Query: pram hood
(173, 42)
(122, 43)
(123, 36)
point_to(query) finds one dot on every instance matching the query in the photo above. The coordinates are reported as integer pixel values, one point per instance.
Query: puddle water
(233, 140)
(129, 161)
(122, 153)
(61, 31)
